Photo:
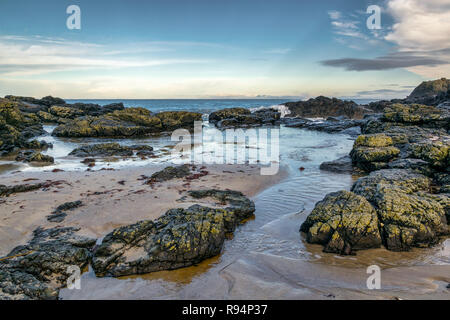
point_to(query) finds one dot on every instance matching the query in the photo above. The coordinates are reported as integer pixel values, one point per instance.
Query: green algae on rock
(180, 238)
(343, 222)
(39, 269)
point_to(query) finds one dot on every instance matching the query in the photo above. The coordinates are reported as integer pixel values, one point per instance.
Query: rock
(227, 113)
(341, 165)
(172, 120)
(169, 173)
(330, 126)
(59, 214)
(416, 114)
(38, 269)
(102, 150)
(33, 156)
(6, 191)
(322, 107)
(436, 153)
(431, 92)
(408, 180)
(129, 122)
(415, 165)
(369, 159)
(343, 222)
(180, 238)
(374, 140)
(408, 220)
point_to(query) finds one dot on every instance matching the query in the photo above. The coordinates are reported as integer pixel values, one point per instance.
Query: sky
(165, 49)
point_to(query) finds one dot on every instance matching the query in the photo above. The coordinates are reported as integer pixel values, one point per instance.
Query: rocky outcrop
(169, 173)
(16, 127)
(408, 214)
(373, 152)
(241, 118)
(431, 93)
(341, 165)
(129, 122)
(323, 107)
(180, 238)
(34, 156)
(330, 125)
(6, 191)
(108, 150)
(343, 222)
(40, 268)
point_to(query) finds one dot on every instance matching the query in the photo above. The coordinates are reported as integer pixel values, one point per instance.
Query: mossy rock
(179, 238)
(227, 113)
(373, 158)
(374, 140)
(172, 120)
(65, 112)
(343, 222)
(409, 219)
(434, 152)
(412, 113)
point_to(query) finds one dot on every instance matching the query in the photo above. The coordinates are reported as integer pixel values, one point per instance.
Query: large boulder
(227, 113)
(408, 213)
(417, 114)
(373, 152)
(171, 120)
(343, 222)
(40, 268)
(180, 238)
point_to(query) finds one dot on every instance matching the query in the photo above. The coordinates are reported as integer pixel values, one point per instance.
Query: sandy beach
(111, 198)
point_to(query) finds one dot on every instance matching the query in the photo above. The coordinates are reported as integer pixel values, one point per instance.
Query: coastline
(108, 204)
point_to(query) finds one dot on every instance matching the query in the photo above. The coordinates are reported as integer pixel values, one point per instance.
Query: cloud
(423, 25)
(392, 61)
(24, 56)
(344, 26)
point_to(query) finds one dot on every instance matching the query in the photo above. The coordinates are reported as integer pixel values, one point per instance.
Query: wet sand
(110, 198)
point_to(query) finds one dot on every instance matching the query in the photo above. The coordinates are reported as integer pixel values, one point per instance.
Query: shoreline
(112, 198)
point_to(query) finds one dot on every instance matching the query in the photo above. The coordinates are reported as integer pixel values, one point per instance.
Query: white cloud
(420, 25)
(20, 56)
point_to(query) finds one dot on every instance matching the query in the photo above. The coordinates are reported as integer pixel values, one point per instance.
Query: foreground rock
(60, 213)
(341, 165)
(109, 150)
(408, 214)
(373, 152)
(39, 269)
(180, 238)
(343, 222)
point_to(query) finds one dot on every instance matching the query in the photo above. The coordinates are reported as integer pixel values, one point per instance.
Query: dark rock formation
(128, 122)
(60, 213)
(6, 191)
(38, 269)
(241, 118)
(322, 107)
(33, 156)
(341, 165)
(169, 173)
(180, 238)
(330, 125)
(343, 222)
(108, 150)
(431, 93)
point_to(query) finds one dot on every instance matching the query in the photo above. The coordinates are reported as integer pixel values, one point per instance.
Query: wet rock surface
(343, 222)
(39, 269)
(323, 107)
(60, 213)
(109, 150)
(169, 173)
(180, 238)
(241, 117)
(129, 122)
(341, 165)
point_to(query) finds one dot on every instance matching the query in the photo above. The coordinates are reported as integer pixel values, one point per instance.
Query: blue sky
(226, 49)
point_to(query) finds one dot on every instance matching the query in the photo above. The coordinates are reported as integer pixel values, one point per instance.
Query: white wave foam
(281, 108)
